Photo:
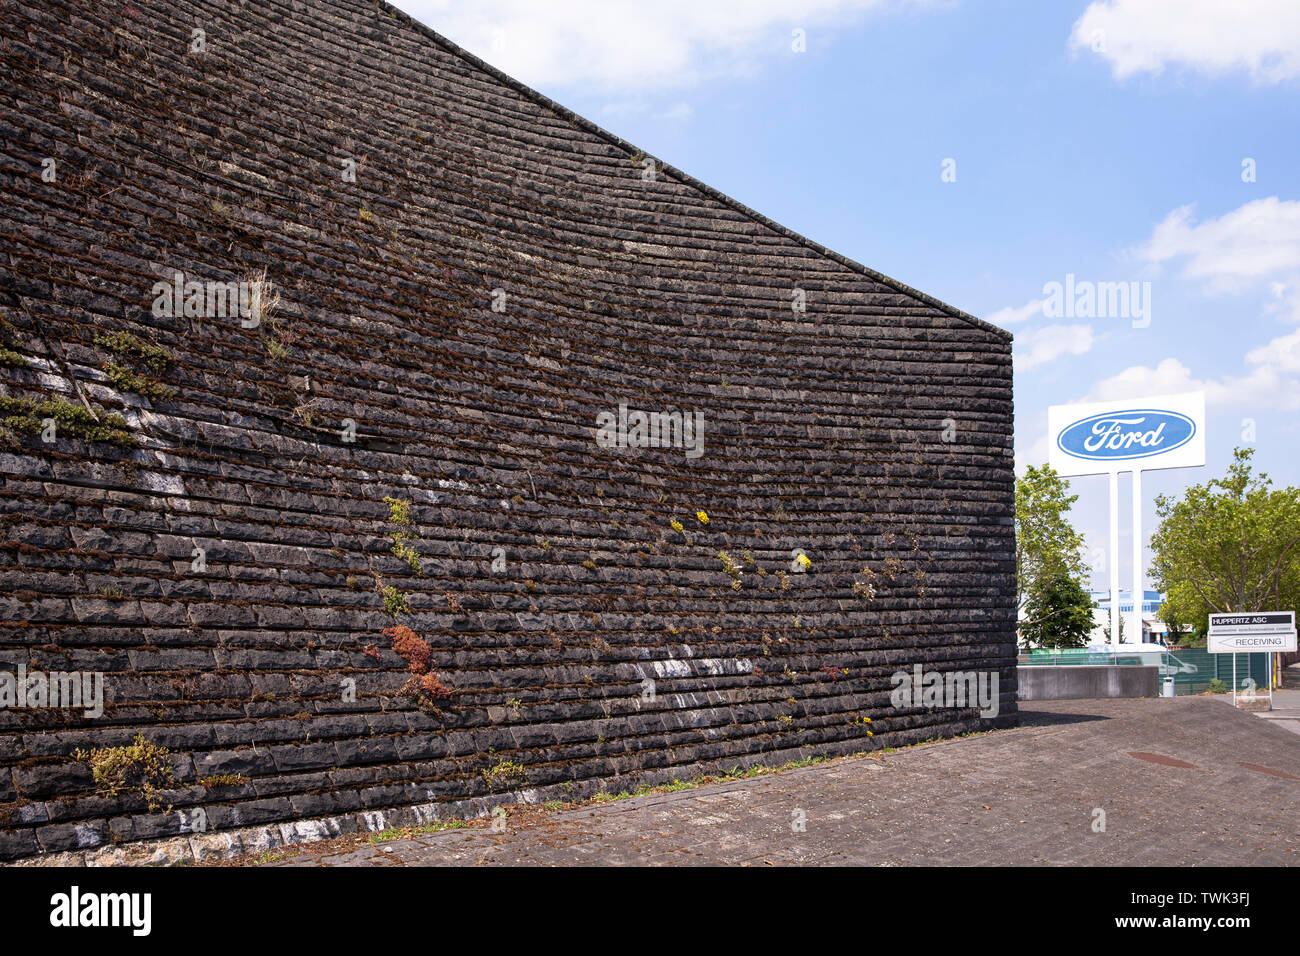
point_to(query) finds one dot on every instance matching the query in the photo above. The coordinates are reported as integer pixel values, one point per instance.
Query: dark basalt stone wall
(872, 431)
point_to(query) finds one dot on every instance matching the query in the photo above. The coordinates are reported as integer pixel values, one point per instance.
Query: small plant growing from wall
(8, 356)
(155, 358)
(504, 775)
(264, 301)
(394, 600)
(410, 647)
(306, 413)
(125, 380)
(141, 767)
(399, 511)
(223, 780)
(865, 589)
(130, 356)
(424, 687)
(28, 415)
(399, 514)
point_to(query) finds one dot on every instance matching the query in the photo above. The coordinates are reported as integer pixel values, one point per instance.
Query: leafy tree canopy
(1047, 545)
(1232, 544)
(1058, 613)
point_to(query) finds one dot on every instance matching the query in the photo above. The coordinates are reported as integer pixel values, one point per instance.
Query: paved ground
(1286, 702)
(1188, 781)
(1286, 710)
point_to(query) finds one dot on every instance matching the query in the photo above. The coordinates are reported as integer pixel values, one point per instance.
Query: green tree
(1058, 613)
(1047, 545)
(1181, 632)
(1232, 544)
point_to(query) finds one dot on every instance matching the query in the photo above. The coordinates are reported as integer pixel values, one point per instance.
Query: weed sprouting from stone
(27, 415)
(394, 600)
(140, 767)
(504, 775)
(399, 513)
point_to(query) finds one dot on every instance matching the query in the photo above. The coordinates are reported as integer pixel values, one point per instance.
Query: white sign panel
(1269, 631)
(1162, 431)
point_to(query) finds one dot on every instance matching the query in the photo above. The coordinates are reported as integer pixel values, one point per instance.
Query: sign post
(1105, 438)
(1251, 632)
(1114, 557)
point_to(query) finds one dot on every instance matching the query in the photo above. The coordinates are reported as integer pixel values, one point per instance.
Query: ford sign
(1127, 434)
(1135, 433)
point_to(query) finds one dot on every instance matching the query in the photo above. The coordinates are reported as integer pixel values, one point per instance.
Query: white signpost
(1137, 435)
(1272, 632)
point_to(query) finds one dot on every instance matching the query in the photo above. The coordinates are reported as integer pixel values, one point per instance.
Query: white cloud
(629, 45)
(1282, 354)
(1039, 346)
(1267, 384)
(1253, 248)
(1013, 315)
(1261, 38)
(1138, 381)
(1253, 242)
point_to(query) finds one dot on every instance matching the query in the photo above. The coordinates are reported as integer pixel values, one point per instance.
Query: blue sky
(1100, 139)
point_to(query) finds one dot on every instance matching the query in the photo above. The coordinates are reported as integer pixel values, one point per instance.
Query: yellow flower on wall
(804, 561)
(703, 516)
(676, 525)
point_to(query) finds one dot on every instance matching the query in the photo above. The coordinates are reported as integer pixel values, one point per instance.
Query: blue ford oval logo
(1139, 433)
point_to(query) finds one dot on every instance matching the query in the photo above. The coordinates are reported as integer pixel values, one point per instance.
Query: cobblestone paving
(1020, 796)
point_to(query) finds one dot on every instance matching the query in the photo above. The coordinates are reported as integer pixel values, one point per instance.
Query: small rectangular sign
(1251, 643)
(1161, 431)
(1259, 631)
(1260, 619)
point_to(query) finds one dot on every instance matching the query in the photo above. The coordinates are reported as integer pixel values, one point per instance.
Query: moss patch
(27, 415)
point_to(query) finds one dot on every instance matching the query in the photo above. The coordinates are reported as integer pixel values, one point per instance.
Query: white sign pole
(1138, 590)
(1114, 557)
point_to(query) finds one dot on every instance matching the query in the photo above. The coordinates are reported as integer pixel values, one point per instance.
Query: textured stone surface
(824, 431)
(1221, 794)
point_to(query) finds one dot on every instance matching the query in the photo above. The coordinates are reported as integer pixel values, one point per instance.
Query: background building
(1154, 630)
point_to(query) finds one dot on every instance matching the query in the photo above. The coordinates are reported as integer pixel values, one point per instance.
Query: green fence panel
(1192, 668)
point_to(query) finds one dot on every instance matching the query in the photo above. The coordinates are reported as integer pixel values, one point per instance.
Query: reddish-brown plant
(434, 688)
(409, 645)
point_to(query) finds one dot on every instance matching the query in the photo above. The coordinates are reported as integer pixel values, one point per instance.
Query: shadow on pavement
(1047, 718)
